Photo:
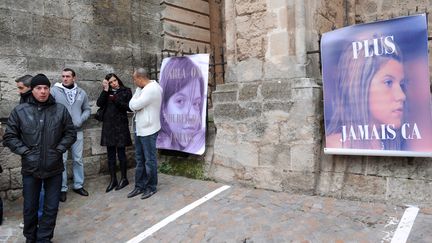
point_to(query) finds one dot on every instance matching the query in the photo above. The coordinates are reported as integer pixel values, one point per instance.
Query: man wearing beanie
(40, 131)
(75, 99)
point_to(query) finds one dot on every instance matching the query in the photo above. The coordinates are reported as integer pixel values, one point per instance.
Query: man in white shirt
(146, 103)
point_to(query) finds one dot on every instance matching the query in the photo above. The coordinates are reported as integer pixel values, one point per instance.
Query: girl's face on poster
(183, 112)
(387, 95)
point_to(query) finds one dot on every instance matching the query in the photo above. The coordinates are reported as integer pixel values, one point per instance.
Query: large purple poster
(184, 100)
(376, 89)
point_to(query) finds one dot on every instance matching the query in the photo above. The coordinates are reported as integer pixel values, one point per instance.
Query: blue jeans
(146, 162)
(43, 229)
(41, 201)
(78, 166)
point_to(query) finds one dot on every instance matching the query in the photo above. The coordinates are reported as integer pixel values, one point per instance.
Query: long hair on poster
(184, 100)
(376, 86)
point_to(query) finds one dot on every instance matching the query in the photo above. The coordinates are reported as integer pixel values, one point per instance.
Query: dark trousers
(112, 151)
(42, 230)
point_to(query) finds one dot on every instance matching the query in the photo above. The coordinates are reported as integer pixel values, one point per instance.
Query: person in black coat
(114, 99)
(40, 131)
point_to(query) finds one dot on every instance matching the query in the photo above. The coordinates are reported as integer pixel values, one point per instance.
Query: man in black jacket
(40, 130)
(23, 86)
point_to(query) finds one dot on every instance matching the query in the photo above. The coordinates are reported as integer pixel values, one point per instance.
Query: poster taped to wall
(376, 89)
(184, 100)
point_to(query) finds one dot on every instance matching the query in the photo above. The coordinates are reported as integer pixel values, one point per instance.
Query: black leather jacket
(40, 133)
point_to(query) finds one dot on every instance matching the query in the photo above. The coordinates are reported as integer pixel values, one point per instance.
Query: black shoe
(147, 193)
(81, 191)
(113, 184)
(123, 182)
(62, 196)
(135, 192)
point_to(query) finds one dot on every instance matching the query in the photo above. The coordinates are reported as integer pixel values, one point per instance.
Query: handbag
(99, 114)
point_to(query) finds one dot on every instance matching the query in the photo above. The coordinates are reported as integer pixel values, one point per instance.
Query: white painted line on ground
(175, 215)
(405, 225)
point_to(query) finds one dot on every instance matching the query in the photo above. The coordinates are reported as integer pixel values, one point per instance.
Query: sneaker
(62, 196)
(21, 225)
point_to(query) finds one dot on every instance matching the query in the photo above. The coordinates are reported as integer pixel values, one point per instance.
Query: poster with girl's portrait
(376, 89)
(184, 101)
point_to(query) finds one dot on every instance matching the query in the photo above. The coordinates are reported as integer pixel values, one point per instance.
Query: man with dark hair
(23, 85)
(75, 99)
(40, 130)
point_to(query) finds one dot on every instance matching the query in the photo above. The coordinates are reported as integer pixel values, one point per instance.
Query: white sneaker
(21, 225)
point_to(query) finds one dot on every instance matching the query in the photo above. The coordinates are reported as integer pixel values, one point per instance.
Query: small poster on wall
(184, 101)
(376, 89)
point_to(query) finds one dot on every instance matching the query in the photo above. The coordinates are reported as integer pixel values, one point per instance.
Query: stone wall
(269, 112)
(92, 37)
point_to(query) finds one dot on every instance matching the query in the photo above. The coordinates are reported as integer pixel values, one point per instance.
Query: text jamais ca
(408, 131)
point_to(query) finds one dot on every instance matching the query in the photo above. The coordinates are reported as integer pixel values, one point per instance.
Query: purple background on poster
(184, 100)
(410, 34)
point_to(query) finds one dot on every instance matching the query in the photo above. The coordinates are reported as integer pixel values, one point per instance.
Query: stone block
(6, 107)
(11, 68)
(304, 158)
(236, 112)
(46, 66)
(9, 160)
(330, 184)
(248, 92)
(298, 182)
(226, 133)
(82, 12)
(406, 191)
(13, 195)
(366, 188)
(224, 96)
(15, 178)
(21, 23)
(244, 7)
(92, 165)
(275, 4)
(24, 6)
(227, 87)
(278, 41)
(276, 90)
(253, 131)
(243, 154)
(249, 70)
(222, 173)
(96, 148)
(277, 156)
(267, 177)
(284, 106)
(53, 27)
(59, 8)
(5, 180)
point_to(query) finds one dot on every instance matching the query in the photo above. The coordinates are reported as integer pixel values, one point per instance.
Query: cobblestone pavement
(237, 214)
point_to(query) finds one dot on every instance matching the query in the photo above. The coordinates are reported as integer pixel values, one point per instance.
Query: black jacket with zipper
(40, 133)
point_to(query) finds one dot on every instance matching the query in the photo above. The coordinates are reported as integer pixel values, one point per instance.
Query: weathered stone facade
(269, 114)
